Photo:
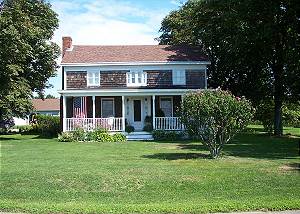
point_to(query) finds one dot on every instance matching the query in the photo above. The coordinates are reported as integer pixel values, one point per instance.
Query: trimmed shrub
(66, 137)
(79, 134)
(160, 135)
(129, 129)
(119, 137)
(48, 125)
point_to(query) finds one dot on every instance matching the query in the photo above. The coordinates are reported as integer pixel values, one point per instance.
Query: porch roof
(125, 92)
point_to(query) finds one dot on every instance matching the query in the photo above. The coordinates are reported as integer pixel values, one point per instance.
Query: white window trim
(171, 103)
(113, 99)
(144, 77)
(94, 75)
(175, 80)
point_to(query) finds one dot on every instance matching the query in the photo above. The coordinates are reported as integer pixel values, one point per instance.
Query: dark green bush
(148, 128)
(129, 129)
(79, 134)
(48, 125)
(166, 135)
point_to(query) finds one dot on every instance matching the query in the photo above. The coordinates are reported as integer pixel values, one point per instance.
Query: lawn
(257, 172)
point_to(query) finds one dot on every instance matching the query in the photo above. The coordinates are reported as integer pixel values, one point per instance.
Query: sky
(108, 22)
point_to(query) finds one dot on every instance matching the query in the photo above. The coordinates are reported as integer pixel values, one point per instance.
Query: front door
(137, 115)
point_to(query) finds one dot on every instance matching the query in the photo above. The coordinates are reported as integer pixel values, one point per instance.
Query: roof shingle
(133, 53)
(46, 104)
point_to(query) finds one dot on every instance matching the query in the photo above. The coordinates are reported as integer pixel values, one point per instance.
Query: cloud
(101, 22)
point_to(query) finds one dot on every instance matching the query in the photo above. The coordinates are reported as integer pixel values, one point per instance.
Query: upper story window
(136, 78)
(93, 78)
(178, 77)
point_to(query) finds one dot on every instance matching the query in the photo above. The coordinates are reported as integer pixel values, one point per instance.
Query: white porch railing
(168, 123)
(111, 124)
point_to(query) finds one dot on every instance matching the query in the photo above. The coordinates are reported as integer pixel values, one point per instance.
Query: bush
(79, 134)
(290, 115)
(215, 117)
(129, 129)
(148, 128)
(48, 125)
(6, 124)
(26, 129)
(66, 137)
(166, 135)
(119, 137)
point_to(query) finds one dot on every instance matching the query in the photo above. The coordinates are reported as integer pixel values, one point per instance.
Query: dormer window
(136, 78)
(93, 78)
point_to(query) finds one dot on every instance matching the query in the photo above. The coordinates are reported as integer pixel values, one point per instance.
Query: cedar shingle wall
(76, 79)
(195, 79)
(157, 79)
(109, 79)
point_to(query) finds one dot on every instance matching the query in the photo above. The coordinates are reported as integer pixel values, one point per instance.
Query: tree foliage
(253, 46)
(26, 53)
(215, 117)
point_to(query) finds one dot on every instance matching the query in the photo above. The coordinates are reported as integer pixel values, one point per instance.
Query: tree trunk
(278, 98)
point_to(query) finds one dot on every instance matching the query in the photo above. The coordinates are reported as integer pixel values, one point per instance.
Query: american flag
(79, 107)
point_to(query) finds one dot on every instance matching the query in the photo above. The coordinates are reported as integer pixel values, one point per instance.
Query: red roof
(133, 53)
(46, 104)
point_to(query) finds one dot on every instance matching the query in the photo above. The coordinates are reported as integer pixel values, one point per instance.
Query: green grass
(45, 176)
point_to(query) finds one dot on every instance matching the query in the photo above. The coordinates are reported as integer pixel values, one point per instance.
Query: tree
(215, 117)
(253, 46)
(42, 96)
(26, 53)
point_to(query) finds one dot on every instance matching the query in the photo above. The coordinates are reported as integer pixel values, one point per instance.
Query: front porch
(114, 113)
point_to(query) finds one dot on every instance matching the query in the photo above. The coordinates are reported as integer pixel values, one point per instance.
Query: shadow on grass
(176, 156)
(248, 145)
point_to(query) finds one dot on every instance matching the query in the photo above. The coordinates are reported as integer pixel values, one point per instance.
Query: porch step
(135, 136)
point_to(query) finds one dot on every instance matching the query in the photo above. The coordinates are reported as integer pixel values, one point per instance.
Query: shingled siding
(195, 79)
(76, 79)
(110, 79)
(159, 78)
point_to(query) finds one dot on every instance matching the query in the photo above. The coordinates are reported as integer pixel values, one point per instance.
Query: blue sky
(109, 22)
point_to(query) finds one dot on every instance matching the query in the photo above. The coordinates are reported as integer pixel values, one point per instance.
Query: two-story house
(114, 86)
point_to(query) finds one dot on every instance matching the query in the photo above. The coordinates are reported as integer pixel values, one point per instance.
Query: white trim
(136, 83)
(94, 73)
(64, 113)
(139, 63)
(65, 79)
(111, 98)
(127, 92)
(171, 103)
(123, 114)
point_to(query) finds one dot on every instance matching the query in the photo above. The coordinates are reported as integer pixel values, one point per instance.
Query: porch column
(94, 112)
(64, 113)
(153, 111)
(123, 113)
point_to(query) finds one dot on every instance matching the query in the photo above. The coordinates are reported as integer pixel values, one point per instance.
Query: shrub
(6, 124)
(79, 134)
(26, 129)
(66, 137)
(119, 137)
(215, 117)
(148, 128)
(290, 114)
(166, 135)
(129, 129)
(48, 125)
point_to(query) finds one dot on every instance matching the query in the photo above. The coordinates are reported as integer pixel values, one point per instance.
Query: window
(93, 78)
(166, 105)
(178, 77)
(107, 107)
(136, 78)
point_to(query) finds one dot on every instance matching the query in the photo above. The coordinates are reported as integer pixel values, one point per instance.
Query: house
(115, 86)
(46, 106)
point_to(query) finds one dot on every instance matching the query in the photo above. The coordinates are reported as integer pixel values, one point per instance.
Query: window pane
(166, 106)
(107, 108)
(133, 77)
(90, 80)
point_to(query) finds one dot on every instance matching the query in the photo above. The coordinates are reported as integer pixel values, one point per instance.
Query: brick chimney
(66, 44)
